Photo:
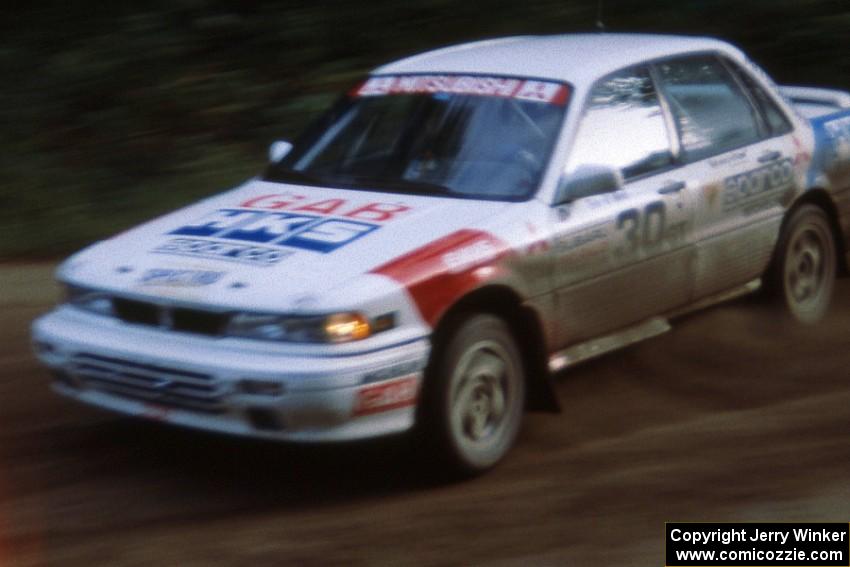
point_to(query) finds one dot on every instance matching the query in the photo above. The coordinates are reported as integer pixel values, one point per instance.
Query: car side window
(777, 122)
(712, 114)
(623, 126)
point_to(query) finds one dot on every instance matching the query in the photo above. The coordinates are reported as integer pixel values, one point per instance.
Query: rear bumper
(230, 386)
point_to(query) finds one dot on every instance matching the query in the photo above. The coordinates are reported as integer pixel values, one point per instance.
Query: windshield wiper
(280, 174)
(401, 185)
(396, 185)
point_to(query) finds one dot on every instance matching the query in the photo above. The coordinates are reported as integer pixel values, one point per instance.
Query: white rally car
(458, 226)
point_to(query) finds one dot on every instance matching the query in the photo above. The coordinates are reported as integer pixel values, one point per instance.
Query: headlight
(88, 300)
(347, 327)
(335, 328)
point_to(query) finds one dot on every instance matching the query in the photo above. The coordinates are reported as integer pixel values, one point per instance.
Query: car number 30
(642, 229)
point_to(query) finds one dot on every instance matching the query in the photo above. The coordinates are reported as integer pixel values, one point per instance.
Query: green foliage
(114, 113)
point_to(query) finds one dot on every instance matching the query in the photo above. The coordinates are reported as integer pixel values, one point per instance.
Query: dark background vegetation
(113, 112)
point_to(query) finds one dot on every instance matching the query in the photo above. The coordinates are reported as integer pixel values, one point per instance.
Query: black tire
(474, 396)
(802, 274)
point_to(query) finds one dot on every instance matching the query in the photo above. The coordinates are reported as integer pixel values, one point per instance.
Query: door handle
(672, 187)
(769, 156)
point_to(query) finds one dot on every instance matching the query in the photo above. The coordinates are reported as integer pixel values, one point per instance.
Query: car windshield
(458, 136)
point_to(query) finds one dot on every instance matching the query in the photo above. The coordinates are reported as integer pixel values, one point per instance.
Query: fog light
(265, 419)
(261, 387)
(67, 379)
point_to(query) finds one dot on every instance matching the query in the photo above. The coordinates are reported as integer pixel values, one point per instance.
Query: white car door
(625, 255)
(740, 166)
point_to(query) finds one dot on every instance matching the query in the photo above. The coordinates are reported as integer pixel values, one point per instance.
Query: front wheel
(474, 395)
(803, 274)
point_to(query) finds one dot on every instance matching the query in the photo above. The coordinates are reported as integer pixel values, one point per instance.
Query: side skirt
(751, 286)
(647, 329)
(601, 345)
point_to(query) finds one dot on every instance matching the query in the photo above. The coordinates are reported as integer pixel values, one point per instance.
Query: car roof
(579, 59)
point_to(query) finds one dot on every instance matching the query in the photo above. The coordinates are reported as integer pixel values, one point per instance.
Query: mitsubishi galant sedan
(458, 226)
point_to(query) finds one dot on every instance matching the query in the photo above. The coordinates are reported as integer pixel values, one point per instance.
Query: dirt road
(729, 417)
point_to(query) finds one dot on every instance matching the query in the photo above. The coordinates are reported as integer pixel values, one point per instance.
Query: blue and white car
(461, 224)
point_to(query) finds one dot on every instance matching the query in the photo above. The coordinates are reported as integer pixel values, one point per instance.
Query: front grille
(197, 321)
(165, 386)
(174, 318)
(136, 311)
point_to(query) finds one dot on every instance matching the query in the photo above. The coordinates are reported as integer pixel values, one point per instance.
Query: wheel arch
(525, 326)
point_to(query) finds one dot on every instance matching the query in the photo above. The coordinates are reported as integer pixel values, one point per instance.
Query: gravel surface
(730, 417)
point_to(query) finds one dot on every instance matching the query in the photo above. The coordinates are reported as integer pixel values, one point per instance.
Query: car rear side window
(712, 114)
(623, 126)
(777, 122)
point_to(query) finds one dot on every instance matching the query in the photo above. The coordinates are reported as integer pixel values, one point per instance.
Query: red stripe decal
(438, 274)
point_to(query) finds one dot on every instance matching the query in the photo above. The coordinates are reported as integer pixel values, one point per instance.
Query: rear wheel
(475, 395)
(803, 273)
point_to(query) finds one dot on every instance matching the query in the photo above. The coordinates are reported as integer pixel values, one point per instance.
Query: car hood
(269, 245)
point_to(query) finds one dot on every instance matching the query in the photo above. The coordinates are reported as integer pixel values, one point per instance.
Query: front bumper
(231, 385)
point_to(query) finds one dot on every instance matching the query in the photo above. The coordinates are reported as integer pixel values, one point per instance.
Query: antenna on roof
(600, 25)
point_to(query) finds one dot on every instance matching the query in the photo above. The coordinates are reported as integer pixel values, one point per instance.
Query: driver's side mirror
(587, 180)
(278, 150)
